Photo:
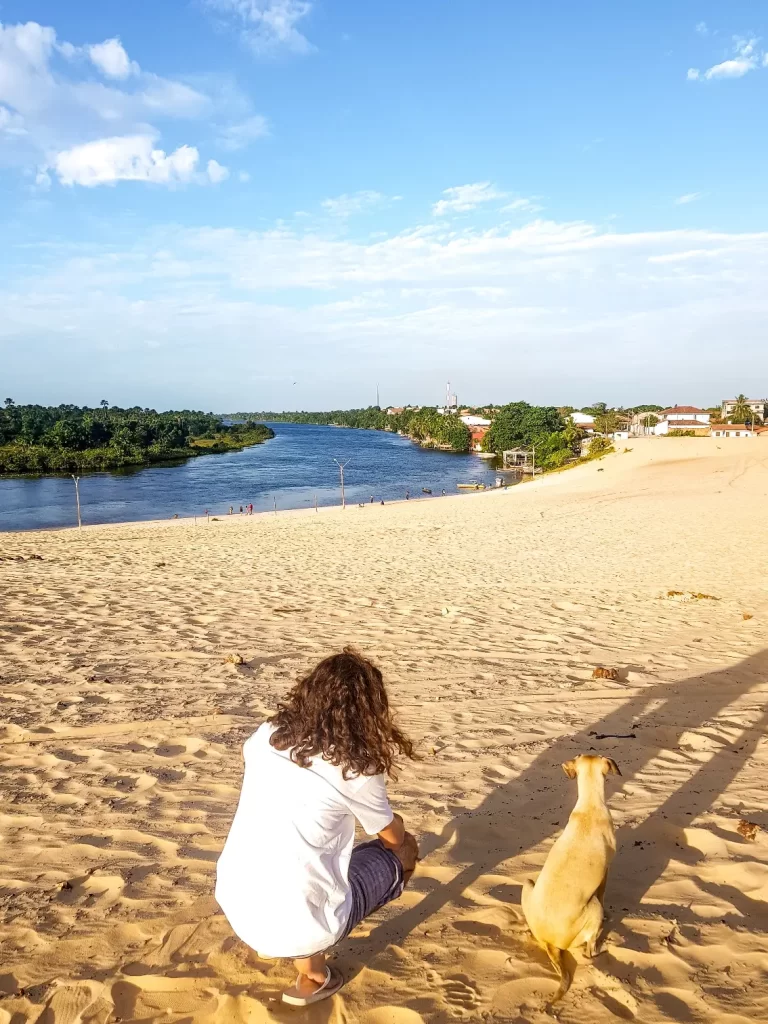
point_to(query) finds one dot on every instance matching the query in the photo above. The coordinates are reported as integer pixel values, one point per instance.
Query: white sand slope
(120, 750)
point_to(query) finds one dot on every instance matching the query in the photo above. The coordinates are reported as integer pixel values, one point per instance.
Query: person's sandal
(332, 984)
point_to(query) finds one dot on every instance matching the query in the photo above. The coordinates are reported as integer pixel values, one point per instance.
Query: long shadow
(539, 796)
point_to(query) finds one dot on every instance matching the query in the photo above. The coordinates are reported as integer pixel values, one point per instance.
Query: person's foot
(309, 989)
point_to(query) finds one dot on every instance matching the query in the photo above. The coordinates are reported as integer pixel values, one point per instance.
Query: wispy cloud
(266, 26)
(349, 204)
(531, 292)
(746, 58)
(462, 198)
(238, 136)
(689, 197)
(522, 205)
(702, 29)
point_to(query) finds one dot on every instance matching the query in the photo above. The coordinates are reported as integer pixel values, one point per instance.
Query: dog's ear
(609, 765)
(569, 767)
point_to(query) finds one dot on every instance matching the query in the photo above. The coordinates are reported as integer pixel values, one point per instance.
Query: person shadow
(483, 838)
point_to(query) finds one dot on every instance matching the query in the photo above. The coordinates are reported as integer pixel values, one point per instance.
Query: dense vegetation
(424, 425)
(520, 425)
(67, 438)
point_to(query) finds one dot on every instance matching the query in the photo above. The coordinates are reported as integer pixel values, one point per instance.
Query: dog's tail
(557, 956)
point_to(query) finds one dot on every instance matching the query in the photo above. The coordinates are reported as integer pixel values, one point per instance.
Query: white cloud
(267, 26)
(730, 68)
(131, 158)
(112, 60)
(689, 197)
(531, 299)
(702, 29)
(52, 102)
(747, 58)
(238, 136)
(348, 205)
(462, 198)
(216, 172)
(244, 177)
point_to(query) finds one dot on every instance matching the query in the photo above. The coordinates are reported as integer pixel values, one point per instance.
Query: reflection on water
(292, 470)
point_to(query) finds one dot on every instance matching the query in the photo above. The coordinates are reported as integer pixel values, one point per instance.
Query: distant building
(582, 418)
(395, 410)
(757, 405)
(732, 430)
(474, 421)
(477, 435)
(685, 412)
(688, 418)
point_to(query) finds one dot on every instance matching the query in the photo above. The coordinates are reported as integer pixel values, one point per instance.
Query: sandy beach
(122, 726)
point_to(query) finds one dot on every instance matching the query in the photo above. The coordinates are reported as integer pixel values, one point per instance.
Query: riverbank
(37, 460)
(124, 724)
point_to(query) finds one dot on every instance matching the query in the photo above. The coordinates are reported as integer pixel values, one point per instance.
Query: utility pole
(378, 404)
(77, 498)
(341, 466)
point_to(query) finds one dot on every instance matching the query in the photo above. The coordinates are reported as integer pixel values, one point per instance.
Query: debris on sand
(600, 672)
(235, 659)
(689, 595)
(748, 829)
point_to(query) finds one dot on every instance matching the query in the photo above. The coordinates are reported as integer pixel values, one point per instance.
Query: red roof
(730, 426)
(674, 424)
(677, 409)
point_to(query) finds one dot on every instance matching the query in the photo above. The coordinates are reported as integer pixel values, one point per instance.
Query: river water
(292, 470)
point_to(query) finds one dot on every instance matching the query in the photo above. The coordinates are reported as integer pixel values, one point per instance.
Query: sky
(279, 204)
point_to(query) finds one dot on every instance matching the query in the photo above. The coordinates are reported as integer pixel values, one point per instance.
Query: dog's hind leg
(593, 923)
(557, 956)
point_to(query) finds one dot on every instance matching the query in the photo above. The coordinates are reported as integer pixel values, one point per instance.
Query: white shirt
(281, 879)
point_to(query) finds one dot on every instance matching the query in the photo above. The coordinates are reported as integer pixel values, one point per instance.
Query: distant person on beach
(231, 510)
(288, 879)
(371, 499)
(407, 495)
(241, 510)
(250, 509)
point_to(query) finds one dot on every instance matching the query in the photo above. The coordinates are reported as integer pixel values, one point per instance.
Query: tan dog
(564, 909)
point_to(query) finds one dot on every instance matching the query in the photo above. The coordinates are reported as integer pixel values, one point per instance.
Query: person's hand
(408, 854)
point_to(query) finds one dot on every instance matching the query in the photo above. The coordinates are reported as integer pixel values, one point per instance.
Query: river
(292, 470)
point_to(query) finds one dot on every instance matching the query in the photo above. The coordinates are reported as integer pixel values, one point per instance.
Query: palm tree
(742, 411)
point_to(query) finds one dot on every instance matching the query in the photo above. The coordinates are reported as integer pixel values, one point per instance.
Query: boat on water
(486, 455)
(471, 487)
(426, 490)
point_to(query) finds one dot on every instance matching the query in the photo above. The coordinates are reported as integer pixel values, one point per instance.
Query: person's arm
(393, 835)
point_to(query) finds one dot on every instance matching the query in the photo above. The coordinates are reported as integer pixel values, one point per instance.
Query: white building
(582, 419)
(757, 405)
(732, 430)
(683, 417)
(475, 421)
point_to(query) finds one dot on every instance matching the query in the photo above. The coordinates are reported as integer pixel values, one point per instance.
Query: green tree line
(67, 438)
(424, 425)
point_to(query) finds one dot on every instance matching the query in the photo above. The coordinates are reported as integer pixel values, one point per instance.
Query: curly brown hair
(341, 711)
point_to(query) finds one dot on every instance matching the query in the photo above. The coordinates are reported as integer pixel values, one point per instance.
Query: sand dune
(122, 726)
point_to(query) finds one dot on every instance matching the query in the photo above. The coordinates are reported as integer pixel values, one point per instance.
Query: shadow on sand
(659, 717)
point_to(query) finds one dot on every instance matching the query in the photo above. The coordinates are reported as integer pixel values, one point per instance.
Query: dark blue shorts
(375, 878)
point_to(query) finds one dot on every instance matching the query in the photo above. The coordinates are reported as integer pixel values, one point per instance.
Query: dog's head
(590, 762)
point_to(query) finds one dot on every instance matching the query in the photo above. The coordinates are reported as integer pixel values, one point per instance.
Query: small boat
(471, 487)
(426, 490)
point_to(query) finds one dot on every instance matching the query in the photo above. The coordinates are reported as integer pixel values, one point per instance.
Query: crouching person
(288, 879)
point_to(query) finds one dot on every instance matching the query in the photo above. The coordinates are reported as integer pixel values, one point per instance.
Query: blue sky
(281, 203)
